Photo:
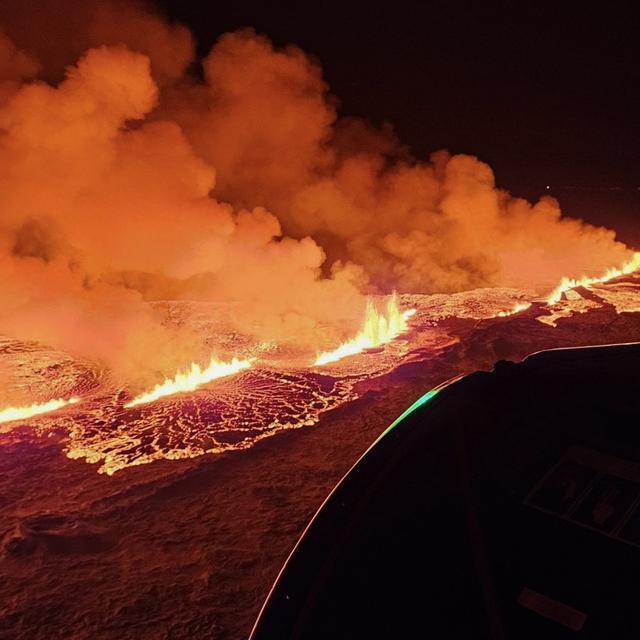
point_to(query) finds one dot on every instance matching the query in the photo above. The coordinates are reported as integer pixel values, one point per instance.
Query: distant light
(548, 187)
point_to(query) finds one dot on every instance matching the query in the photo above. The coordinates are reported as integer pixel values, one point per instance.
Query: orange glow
(251, 189)
(191, 379)
(614, 272)
(22, 413)
(517, 308)
(378, 329)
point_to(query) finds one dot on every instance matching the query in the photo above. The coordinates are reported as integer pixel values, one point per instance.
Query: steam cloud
(126, 177)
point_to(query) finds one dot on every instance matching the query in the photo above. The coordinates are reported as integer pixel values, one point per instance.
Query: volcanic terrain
(180, 522)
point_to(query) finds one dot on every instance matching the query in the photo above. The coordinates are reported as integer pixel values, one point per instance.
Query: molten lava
(191, 379)
(378, 329)
(21, 413)
(614, 272)
(517, 308)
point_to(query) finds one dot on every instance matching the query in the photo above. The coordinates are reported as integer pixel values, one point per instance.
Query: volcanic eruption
(129, 181)
(378, 329)
(191, 379)
(22, 413)
(197, 253)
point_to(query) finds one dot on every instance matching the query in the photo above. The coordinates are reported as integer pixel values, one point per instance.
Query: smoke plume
(128, 176)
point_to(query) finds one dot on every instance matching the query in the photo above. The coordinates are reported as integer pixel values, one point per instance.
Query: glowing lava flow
(520, 306)
(21, 413)
(191, 379)
(378, 329)
(570, 283)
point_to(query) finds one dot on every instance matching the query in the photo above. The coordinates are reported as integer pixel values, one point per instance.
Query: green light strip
(416, 405)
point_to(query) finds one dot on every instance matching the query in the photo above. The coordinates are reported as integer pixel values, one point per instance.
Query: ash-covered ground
(182, 518)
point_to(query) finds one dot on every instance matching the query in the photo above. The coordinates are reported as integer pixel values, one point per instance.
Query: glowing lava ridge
(22, 413)
(614, 272)
(378, 329)
(192, 379)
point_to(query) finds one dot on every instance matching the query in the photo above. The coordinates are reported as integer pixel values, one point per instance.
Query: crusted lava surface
(189, 505)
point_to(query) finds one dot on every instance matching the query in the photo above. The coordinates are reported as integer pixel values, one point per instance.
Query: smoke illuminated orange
(378, 329)
(21, 413)
(191, 379)
(614, 272)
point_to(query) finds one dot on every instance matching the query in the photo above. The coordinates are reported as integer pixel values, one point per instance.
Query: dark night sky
(546, 95)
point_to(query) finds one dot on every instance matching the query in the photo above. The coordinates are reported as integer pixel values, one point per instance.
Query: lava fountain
(378, 329)
(614, 272)
(191, 379)
(22, 413)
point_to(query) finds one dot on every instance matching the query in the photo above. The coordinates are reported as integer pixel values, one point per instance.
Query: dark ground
(189, 549)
